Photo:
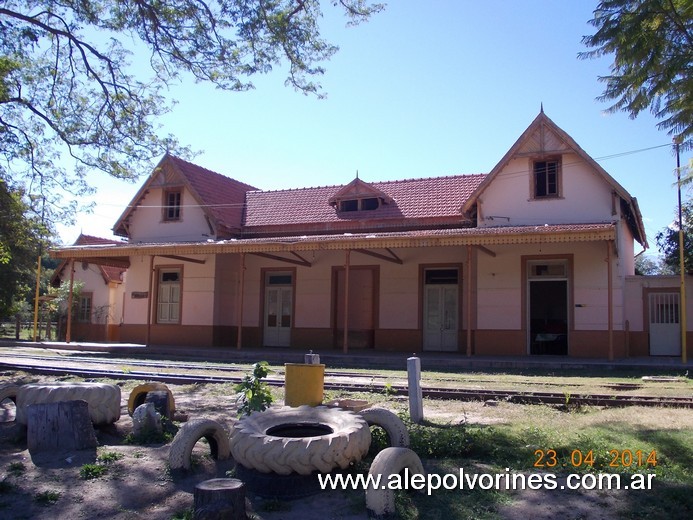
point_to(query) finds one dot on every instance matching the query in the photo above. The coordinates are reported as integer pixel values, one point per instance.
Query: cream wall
(198, 290)
(147, 224)
(399, 290)
(500, 290)
(106, 302)
(507, 201)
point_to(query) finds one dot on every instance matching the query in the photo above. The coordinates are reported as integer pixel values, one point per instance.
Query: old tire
(103, 399)
(9, 391)
(139, 395)
(394, 426)
(380, 501)
(188, 435)
(346, 443)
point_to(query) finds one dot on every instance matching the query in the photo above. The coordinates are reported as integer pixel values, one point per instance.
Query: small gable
(358, 196)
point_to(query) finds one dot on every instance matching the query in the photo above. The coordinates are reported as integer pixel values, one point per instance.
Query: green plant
(255, 394)
(185, 514)
(108, 457)
(389, 389)
(46, 498)
(17, 467)
(92, 471)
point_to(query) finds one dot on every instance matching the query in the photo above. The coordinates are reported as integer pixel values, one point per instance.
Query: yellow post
(682, 305)
(36, 297)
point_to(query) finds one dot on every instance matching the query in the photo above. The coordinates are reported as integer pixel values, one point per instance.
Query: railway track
(188, 373)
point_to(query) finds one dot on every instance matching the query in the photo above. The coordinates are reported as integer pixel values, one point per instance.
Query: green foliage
(46, 498)
(255, 394)
(92, 471)
(20, 239)
(67, 86)
(109, 457)
(438, 441)
(17, 468)
(668, 242)
(652, 45)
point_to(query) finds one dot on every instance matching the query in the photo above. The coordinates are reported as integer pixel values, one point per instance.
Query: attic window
(546, 179)
(172, 205)
(367, 204)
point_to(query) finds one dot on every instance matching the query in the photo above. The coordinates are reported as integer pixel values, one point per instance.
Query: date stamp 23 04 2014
(549, 458)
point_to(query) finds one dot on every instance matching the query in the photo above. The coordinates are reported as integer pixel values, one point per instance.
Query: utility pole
(682, 305)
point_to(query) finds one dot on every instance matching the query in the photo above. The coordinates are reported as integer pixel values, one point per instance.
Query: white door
(440, 317)
(278, 314)
(665, 331)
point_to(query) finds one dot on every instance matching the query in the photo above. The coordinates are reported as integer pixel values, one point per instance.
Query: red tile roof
(434, 199)
(109, 273)
(223, 197)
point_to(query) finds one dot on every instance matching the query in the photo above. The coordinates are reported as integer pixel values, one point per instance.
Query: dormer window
(172, 200)
(367, 204)
(546, 179)
(358, 196)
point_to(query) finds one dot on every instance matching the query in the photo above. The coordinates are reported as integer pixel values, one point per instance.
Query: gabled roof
(221, 198)
(358, 189)
(412, 201)
(543, 136)
(109, 273)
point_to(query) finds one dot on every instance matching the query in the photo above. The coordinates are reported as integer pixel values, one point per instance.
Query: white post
(415, 395)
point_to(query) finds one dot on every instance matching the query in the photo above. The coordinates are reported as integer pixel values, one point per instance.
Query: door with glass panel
(278, 316)
(441, 309)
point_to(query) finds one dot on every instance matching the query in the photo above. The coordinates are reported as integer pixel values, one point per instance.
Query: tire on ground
(103, 399)
(139, 394)
(380, 501)
(9, 391)
(394, 426)
(253, 448)
(188, 435)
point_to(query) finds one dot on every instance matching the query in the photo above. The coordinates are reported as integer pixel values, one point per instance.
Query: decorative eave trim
(495, 237)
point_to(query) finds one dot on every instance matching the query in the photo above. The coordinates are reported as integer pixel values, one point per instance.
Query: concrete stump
(59, 426)
(220, 499)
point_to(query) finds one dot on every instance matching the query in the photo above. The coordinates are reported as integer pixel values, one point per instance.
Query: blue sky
(423, 89)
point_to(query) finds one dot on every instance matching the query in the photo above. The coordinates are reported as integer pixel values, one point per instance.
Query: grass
(519, 437)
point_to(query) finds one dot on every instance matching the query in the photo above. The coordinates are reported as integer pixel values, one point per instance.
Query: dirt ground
(139, 484)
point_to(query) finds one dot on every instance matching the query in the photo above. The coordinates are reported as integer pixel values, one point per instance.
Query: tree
(668, 242)
(20, 239)
(652, 44)
(66, 89)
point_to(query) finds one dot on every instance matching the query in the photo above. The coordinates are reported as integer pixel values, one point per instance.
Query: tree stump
(220, 499)
(59, 426)
(160, 400)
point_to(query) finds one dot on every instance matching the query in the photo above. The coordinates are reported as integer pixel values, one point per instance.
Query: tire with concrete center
(394, 426)
(103, 399)
(139, 395)
(191, 432)
(347, 443)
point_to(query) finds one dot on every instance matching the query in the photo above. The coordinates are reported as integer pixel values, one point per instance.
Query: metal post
(241, 285)
(68, 333)
(610, 299)
(469, 300)
(150, 302)
(345, 347)
(682, 305)
(36, 297)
